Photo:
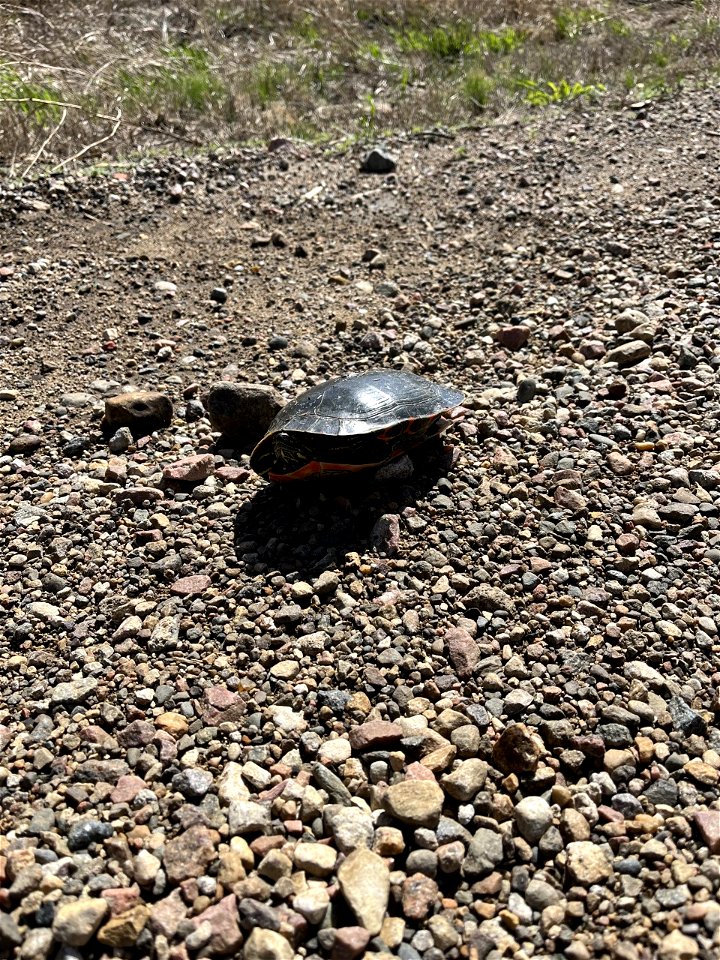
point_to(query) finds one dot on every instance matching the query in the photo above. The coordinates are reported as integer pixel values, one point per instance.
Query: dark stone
(615, 735)
(85, 832)
(686, 720)
(325, 778)
(253, 914)
(662, 791)
(241, 411)
(378, 160)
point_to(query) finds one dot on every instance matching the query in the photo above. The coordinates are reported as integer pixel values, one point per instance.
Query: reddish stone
(191, 853)
(374, 734)
(708, 823)
(619, 464)
(220, 697)
(462, 650)
(190, 586)
(98, 736)
(417, 771)
(570, 499)
(166, 914)
(385, 534)
(190, 469)
(419, 893)
(189, 890)
(513, 337)
(488, 886)
(121, 899)
(167, 747)
(627, 543)
(350, 942)
(127, 789)
(223, 917)
(233, 474)
(591, 745)
(592, 349)
(136, 734)
(263, 845)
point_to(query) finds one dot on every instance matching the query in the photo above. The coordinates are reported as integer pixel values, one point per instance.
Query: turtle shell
(352, 423)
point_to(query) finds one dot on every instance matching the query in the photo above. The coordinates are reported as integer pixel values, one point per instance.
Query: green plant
(570, 23)
(184, 82)
(306, 30)
(543, 93)
(655, 86)
(267, 82)
(25, 97)
(368, 122)
(457, 40)
(478, 88)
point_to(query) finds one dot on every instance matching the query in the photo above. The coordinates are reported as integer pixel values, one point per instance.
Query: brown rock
(513, 337)
(375, 734)
(127, 789)
(190, 854)
(173, 723)
(628, 354)
(190, 469)
(191, 586)
(419, 893)
(415, 802)
(587, 863)
(619, 464)
(627, 543)
(242, 411)
(350, 942)
(124, 929)
(573, 825)
(518, 750)
(142, 411)
(570, 499)
(223, 917)
(708, 823)
(136, 734)
(364, 880)
(463, 651)
(165, 915)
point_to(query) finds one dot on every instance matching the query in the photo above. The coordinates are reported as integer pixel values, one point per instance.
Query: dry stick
(57, 103)
(45, 142)
(95, 143)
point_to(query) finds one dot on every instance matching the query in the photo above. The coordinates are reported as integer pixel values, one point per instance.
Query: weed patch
(124, 77)
(547, 92)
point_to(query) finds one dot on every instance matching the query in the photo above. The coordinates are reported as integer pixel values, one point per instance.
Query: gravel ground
(467, 711)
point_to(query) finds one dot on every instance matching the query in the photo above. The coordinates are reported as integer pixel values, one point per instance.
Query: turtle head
(290, 453)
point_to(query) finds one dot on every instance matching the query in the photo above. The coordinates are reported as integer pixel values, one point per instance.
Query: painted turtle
(352, 423)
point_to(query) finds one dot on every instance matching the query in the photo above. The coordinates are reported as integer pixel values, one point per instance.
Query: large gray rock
(242, 411)
(484, 853)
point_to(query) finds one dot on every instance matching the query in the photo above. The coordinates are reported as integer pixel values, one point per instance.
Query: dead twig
(44, 144)
(57, 103)
(117, 120)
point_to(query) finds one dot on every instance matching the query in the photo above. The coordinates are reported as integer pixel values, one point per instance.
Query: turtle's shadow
(305, 528)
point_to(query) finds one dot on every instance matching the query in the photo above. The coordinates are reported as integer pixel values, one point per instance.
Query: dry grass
(80, 82)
